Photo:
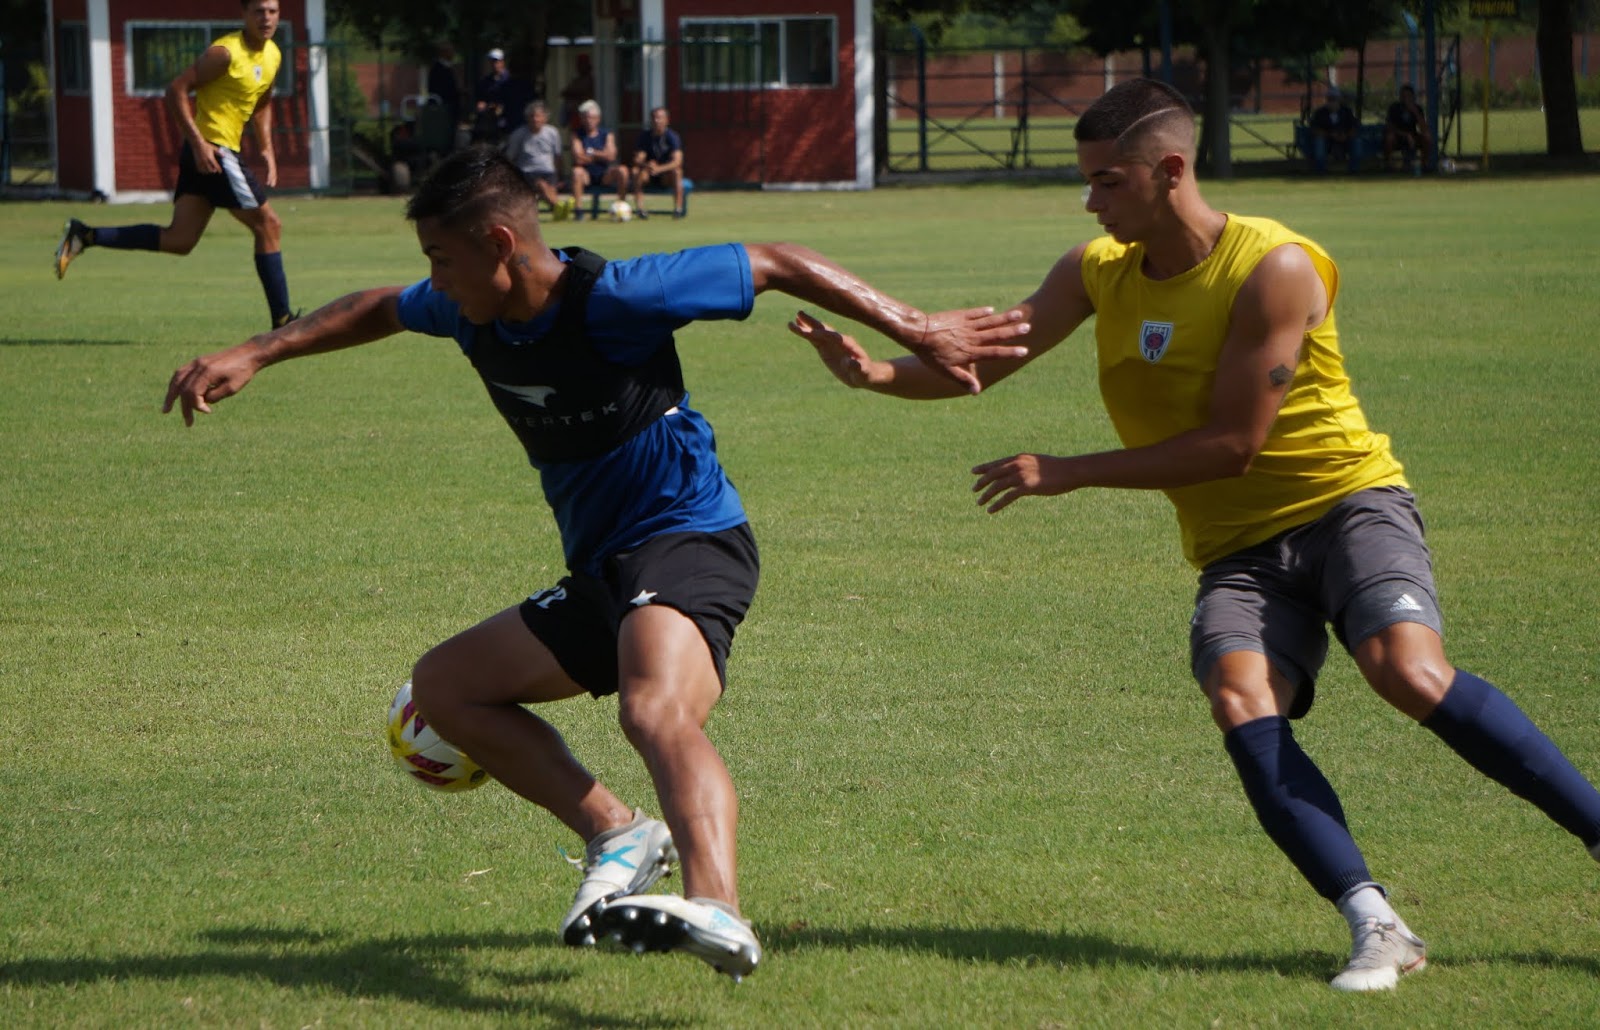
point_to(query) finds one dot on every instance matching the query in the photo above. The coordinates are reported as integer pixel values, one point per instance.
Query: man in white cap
(495, 98)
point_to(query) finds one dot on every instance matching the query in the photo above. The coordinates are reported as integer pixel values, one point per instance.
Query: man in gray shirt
(535, 148)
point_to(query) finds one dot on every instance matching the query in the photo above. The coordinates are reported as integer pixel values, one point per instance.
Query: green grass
(978, 786)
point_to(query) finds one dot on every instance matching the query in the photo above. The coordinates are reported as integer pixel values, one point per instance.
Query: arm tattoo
(1281, 376)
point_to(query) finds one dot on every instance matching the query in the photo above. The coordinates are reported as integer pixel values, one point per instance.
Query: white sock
(1368, 901)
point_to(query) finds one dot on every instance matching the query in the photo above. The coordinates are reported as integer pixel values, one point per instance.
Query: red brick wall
(148, 139)
(806, 134)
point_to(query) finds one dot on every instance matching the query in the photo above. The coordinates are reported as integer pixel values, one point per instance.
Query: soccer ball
(425, 756)
(621, 211)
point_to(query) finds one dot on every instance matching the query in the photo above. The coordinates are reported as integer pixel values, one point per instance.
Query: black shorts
(233, 187)
(1363, 566)
(549, 178)
(710, 577)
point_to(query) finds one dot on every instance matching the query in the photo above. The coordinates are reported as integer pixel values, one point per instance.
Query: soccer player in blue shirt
(658, 156)
(577, 354)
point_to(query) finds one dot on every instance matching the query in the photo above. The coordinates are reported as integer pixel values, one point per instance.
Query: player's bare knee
(1234, 704)
(1414, 685)
(647, 719)
(430, 680)
(179, 243)
(269, 230)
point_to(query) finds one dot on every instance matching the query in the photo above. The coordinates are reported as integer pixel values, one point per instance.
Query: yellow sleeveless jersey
(223, 105)
(1158, 344)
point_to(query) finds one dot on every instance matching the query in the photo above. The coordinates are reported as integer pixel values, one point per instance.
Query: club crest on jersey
(1153, 340)
(258, 73)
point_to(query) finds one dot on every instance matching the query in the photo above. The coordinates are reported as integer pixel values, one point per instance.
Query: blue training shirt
(666, 479)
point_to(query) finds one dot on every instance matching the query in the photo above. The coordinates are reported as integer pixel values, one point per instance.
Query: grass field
(978, 786)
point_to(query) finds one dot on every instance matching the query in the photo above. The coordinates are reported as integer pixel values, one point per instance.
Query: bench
(1369, 141)
(651, 190)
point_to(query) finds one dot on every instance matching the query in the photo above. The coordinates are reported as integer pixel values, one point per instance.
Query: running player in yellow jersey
(232, 83)
(1220, 367)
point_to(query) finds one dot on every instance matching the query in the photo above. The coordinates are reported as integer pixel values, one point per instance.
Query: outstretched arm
(1044, 319)
(949, 342)
(1282, 298)
(353, 319)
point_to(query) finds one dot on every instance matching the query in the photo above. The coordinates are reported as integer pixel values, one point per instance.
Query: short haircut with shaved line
(474, 186)
(1136, 114)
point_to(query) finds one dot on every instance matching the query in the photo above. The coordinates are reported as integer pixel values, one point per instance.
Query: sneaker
(666, 922)
(680, 213)
(562, 211)
(73, 240)
(640, 212)
(1381, 952)
(627, 860)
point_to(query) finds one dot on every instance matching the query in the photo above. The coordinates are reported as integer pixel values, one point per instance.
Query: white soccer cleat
(1380, 953)
(666, 922)
(627, 860)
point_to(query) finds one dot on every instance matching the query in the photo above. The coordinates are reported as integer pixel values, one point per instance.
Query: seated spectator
(1335, 132)
(1407, 127)
(594, 158)
(658, 157)
(535, 148)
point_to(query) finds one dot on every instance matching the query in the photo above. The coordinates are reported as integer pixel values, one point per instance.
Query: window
(748, 53)
(159, 51)
(72, 57)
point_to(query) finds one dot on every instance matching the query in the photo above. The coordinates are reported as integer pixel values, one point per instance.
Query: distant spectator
(535, 148)
(658, 156)
(1335, 132)
(1407, 127)
(442, 82)
(490, 96)
(574, 93)
(594, 158)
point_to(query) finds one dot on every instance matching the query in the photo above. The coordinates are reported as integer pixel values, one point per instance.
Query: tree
(416, 27)
(1563, 132)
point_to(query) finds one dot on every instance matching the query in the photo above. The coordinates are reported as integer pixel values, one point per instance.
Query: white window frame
(283, 85)
(686, 27)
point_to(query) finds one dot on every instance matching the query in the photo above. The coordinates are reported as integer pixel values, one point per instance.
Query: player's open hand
(203, 381)
(952, 341)
(205, 158)
(1004, 481)
(842, 355)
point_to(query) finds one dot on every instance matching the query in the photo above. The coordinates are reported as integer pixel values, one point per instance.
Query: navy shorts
(1362, 567)
(710, 577)
(233, 187)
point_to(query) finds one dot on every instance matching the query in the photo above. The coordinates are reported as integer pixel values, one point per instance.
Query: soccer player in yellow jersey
(1220, 367)
(232, 84)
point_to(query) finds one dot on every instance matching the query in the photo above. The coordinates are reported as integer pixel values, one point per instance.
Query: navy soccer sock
(127, 237)
(1487, 728)
(269, 267)
(1296, 805)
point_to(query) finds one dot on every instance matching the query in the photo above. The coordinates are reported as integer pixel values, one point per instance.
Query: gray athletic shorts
(1361, 567)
